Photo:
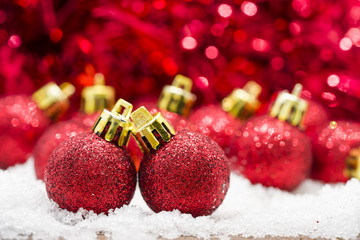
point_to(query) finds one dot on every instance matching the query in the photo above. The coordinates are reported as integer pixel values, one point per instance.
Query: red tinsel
(140, 45)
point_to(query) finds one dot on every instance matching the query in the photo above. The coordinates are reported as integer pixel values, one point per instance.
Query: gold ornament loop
(243, 103)
(290, 107)
(115, 126)
(54, 99)
(352, 164)
(177, 98)
(97, 97)
(150, 129)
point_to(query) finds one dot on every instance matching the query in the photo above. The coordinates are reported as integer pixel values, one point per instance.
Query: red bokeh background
(141, 45)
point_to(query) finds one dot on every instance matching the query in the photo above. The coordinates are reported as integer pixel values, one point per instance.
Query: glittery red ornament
(51, 138)
(215, 123)
(188, 171)
(21, 124)
(88, 172)
(94, 172)
(272, 152)
(332, 146)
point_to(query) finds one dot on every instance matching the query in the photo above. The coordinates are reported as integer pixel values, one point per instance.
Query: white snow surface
(313, 210)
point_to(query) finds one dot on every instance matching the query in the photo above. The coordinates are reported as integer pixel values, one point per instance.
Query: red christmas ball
(21, 124)
(272, 152)
(330, 149)
(215, 123)
(190, 173)
(50, 140)
(315, 116)
(85, 171)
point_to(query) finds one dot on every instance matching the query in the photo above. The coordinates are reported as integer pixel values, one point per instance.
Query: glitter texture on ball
(87, 172)
(21, 124)
(190, 173)
(273, 153)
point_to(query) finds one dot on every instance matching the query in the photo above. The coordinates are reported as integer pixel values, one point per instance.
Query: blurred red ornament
(21, 124)
(335, 143)
(273, 152)
(188, 171)
(92, 172)
(24, 119)
(316, 115)
(215, 123)
(221, 123)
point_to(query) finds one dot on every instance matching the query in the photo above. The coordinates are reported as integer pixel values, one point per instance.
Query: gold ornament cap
(150, 128)
(352, 164)
(177, 97)
(54, 99)
(243, 103)
(290, 107)
(115, 126)
(97, 97)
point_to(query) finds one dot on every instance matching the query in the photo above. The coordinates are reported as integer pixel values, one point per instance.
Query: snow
(313, 210)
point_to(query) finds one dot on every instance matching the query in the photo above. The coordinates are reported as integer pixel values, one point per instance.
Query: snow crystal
(313, 210)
